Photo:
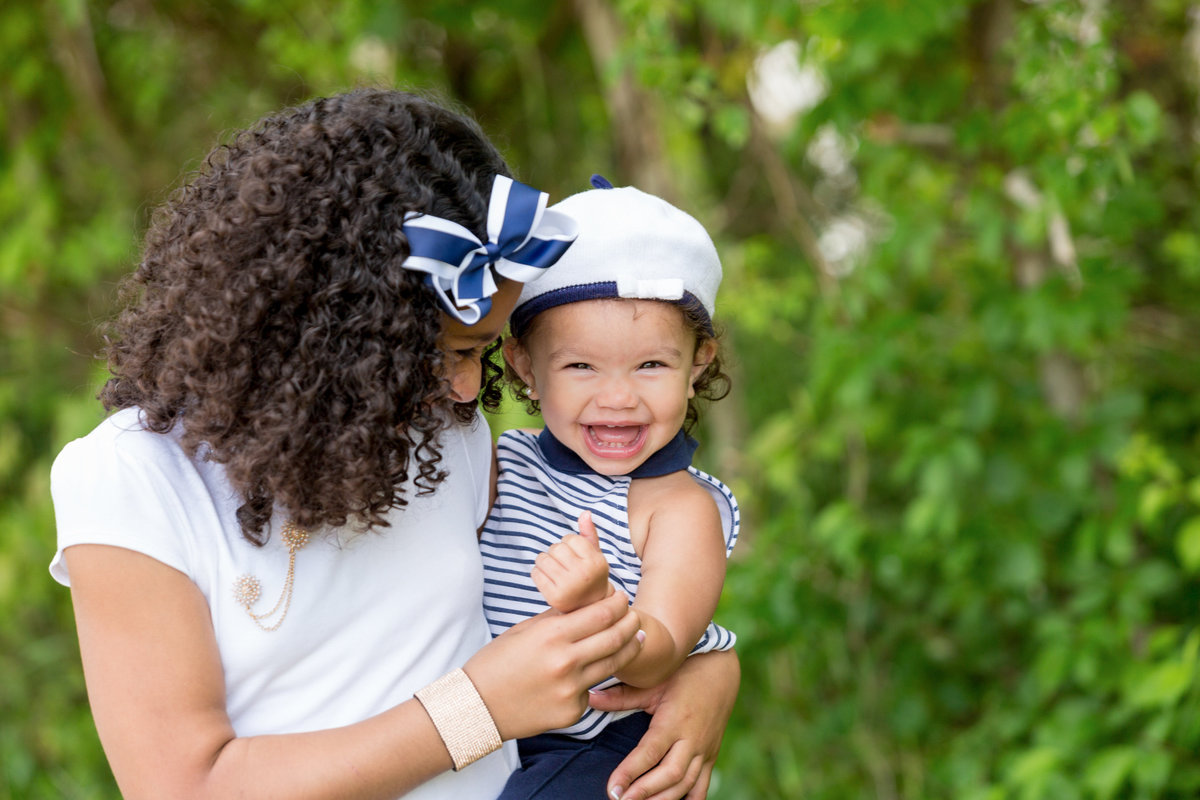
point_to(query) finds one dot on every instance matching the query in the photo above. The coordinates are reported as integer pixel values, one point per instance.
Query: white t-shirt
(374, 616)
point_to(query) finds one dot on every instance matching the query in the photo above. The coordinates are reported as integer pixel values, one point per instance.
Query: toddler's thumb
(587, 529)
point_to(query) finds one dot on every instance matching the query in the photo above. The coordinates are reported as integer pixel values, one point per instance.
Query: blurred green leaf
(1187, 544)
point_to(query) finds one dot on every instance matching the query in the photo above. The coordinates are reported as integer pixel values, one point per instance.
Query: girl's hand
(573, 572)
(535, 676)
(676, 756)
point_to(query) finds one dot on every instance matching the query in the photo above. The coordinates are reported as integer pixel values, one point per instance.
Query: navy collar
(672, 457)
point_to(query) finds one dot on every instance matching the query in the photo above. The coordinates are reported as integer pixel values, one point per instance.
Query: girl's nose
(465, 378)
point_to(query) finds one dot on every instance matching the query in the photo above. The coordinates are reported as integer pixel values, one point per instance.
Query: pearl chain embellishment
(247, 589)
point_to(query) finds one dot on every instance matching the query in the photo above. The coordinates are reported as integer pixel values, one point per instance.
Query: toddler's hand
(573, 572)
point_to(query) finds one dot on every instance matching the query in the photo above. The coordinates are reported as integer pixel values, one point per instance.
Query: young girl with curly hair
(271, 541)
(614, 346)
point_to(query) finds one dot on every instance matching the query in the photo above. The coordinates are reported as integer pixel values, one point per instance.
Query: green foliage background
(961, 296)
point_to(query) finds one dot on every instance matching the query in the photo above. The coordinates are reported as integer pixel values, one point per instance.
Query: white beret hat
(630, 244)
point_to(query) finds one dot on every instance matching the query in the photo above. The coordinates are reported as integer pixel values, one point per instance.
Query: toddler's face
(613, 377)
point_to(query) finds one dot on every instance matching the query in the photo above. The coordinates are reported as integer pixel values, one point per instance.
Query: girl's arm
(156, 688)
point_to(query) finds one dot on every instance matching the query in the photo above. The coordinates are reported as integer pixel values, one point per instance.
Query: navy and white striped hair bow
(524, 239)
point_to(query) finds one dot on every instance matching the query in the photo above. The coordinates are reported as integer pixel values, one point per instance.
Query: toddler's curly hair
(271, 317)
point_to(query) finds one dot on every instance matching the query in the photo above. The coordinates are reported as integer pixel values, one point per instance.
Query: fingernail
(641, 636)
(595, 691)
(615, 792)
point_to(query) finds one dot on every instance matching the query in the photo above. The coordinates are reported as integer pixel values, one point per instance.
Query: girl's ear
(517, 357)
(706, 351)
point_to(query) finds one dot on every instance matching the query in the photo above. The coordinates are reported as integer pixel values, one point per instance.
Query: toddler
(613, 345)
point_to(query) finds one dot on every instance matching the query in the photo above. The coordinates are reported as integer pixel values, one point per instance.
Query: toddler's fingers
(581, 552)
(550, 566)
(587, 529)
(541, 579)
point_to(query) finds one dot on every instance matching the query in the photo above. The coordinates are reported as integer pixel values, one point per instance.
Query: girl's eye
(471, 353)
(651, 365)
(578, 365)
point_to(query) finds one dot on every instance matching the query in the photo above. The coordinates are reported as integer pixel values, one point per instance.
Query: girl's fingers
(670, 779)
(700, 789)
(680, 788)
(626, 698)
(649, 752)
(596, 618)
(610, 650)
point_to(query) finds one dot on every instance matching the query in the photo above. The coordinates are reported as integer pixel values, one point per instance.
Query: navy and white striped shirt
(536, 506)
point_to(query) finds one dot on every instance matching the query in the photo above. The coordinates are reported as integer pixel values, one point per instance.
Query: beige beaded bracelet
(461, 718)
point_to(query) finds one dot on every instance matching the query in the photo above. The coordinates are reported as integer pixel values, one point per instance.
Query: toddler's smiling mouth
(614, 441)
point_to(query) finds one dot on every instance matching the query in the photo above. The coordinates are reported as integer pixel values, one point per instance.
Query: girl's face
(613, 377)
(463, 345)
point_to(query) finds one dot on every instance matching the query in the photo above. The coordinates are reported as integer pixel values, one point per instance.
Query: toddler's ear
(517, 357)
(706, 351)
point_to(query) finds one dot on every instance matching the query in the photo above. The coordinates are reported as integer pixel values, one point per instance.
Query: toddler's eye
(651, 365)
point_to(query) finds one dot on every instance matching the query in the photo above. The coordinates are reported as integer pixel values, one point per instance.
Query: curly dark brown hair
(271, 317)
(712, 385)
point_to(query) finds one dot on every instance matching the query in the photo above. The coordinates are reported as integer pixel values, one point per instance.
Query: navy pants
(557, 767)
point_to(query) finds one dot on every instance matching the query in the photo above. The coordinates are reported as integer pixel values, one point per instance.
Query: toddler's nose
(616, 393)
